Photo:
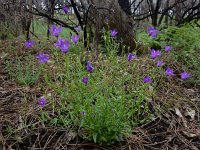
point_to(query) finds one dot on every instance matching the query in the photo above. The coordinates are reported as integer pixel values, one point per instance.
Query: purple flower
(58, 42)
(147, 79)
(43, 58)
(64, 46)
(55, 31)
(89, 67)
(152, 31)
(78, 29)
(130, 56)
(29, 44)
(155, 53)
(113, 33)
(42, 102)
(168, 48)
(169, 72)
(85, 80)
(185, 75)
(75, 38)
(65, 9)
(160, 63)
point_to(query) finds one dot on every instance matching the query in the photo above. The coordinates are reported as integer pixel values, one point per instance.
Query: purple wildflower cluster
(65, 9)
(131, 56)
(169, 72)
(157, 53)
(55, 31)
(113, 33)
(63, 44)
(85, 79)
(152, 32)
(75, 38)
(43, 58)
(42, 102)
(160, 63)
(147, 79)
(168, 48)
(185, 75)
(78, 28)
(29, 44)
(90, 69)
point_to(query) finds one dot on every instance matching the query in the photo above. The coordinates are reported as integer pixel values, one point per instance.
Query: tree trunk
(111, 17)
(29, 19)
(125, 6)
(51, 6)
(178, 13)
(166, 16)
(165, 13)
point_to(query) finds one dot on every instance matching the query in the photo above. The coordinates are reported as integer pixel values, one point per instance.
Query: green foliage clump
(25, 72)
(186, 43)
(103, 110)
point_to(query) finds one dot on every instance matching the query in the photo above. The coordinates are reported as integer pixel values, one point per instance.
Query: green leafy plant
(104, 97)
(186, 43)
(101, 108)
(110, 45)
(24, 71)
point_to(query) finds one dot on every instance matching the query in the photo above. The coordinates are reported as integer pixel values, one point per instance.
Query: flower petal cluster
(168, 48)
(65, 9)
(155, 53)
(185, 75)
(169, 72)
(42, 102)
(131, 56)
(147, 79)
(89, 67)
(55, 31)
(75, 38)
(160, 63)
(152, 31)
(78, 28)
(43, 58)
(113, 33)
(85, 79)
(29, 44)
(63, 44)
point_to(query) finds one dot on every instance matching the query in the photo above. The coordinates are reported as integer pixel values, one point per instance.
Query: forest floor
(174, 129)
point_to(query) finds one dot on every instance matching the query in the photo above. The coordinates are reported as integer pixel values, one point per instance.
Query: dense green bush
(114, 100)
(186, 46)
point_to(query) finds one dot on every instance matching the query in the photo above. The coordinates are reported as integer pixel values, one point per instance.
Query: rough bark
(125, 5)
(50, 6)
(27, 19)
(108, 14)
